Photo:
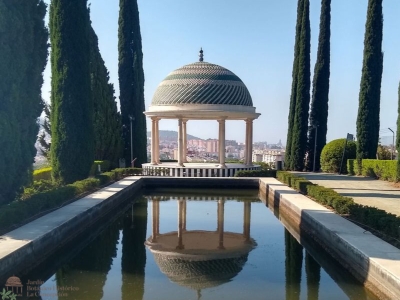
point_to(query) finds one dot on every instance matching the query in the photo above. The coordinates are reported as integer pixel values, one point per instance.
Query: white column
(184, 140)
(249, 142)
(246, 148)
(221, 142)
(153, 141)
(157, 158)
(180, 142)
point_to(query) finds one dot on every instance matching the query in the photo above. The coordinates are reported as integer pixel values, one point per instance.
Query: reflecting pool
(192, 245)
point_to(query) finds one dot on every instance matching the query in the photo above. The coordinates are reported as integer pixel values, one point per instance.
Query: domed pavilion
(201, 91)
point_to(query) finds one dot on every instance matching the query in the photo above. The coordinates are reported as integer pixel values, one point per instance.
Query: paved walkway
(367, 191)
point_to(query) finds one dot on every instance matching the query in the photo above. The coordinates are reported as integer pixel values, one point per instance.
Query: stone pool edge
(24, 247)
(378, 267)
(371, 260)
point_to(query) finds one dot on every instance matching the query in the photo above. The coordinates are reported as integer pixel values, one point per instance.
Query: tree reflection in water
(133, 251)
(293, 265)
(88, 271)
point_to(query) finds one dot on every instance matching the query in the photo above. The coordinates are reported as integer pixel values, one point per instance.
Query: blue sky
(255, 39)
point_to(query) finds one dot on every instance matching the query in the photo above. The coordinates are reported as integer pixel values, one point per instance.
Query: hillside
(172, 135)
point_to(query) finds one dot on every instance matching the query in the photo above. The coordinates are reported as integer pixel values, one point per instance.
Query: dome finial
(201, 54)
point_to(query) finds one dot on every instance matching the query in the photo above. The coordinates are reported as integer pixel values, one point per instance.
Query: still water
(192, 246)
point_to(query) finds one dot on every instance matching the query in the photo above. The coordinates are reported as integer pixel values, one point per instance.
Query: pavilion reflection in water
(199, 259)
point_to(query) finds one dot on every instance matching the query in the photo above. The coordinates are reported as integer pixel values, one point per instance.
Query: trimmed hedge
(385, 224)
(43, 173)
(256, 173)
(38, 201)
(104, 165)
(380, 169)
(352, 166)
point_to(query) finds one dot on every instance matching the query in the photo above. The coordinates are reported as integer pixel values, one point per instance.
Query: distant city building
(212, 146)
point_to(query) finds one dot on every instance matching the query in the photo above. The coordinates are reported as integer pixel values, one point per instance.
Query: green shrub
(287, 178)
(38, 186)
(370, 217)
(280, 175)
(331, 155)
(294, 180)
(104, 166)
(43, 173)
(301, 185)
(381, 169)
(44, 195)
(377, 219)
(350, 166)
(256, 173)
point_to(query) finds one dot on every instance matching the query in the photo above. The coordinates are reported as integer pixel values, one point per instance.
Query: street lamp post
(315, 145)
(131, 120)
(391, 156)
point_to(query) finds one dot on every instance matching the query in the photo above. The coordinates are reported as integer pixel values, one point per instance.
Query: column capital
(155, 118)
(222, 119)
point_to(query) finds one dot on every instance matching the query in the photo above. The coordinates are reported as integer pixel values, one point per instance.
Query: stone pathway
(367, 191)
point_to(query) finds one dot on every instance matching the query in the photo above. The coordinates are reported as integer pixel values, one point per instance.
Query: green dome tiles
(202, 83)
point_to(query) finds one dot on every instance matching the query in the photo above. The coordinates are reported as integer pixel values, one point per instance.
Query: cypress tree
(300, 7)
(131, 82)
(107, 120)
(300, 125)
(72, 151)
(370, 87)
(320, 96)
(23, 56)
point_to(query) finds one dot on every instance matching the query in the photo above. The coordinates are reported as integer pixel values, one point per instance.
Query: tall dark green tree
(23, 56)
(292, 105)
(370, 87)
(300, 124)
(107, 120)
(320, 96)
(72, 150)
(131, 82)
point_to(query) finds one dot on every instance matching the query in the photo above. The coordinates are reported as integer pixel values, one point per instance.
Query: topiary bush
(42, 174)
(331, 155)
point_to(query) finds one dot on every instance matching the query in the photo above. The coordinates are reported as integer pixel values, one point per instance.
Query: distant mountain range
(172, 135)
